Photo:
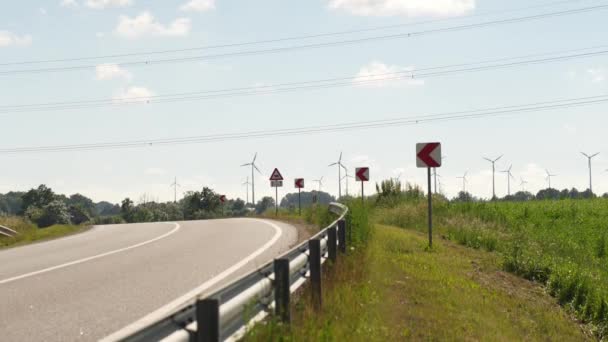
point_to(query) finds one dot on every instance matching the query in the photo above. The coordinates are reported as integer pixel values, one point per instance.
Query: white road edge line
(80, 261)
(175, 304)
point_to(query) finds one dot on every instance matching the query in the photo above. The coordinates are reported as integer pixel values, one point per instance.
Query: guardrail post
(342, 236)
(331, 243)
(281, 289)
(208, 320)
(314, 261)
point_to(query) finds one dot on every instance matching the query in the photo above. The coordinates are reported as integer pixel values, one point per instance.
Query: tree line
(45, 208)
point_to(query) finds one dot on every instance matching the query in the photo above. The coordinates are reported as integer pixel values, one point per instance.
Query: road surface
(86, 286)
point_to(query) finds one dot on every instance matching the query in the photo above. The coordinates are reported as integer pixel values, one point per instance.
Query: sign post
(223, 200)
(276, 181)
(299, 184)
(362, 175)
(428, 155)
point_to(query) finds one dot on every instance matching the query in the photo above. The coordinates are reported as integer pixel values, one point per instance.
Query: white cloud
(408, 8)
(133, 95)
(146, 25)
(68, 3)
(101, 4)
(378, 74)
(198, 5)
(8, 38)
(104, 72)
(597, 74)
(42, 11)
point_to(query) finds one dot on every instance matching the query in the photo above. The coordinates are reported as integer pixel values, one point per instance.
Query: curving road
(86, 286)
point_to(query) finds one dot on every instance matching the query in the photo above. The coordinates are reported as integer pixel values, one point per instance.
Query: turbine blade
(255, 157)
(332, 164)
(246, 164)
(595, 155)
(255, 167)
(495, 160)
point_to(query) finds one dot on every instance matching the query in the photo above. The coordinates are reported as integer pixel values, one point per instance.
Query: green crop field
(561, 244)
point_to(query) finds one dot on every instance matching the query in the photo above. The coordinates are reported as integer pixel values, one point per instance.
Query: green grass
(395, 289)
(29, 232)
(561, 244)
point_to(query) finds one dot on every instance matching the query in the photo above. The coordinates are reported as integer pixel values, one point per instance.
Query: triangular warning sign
(276, 175)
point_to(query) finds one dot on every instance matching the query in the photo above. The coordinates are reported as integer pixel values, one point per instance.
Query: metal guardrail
(226, 313)
(6, 231)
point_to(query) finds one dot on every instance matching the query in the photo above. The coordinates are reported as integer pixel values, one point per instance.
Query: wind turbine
(340, 166)
(464, 182)
(523, 184)
(509, 176)
(435, 173)
(320, 181)
(549, 175)
(246, 184)
(346, 177)
(493, 174)
(589, 157)
(175, 185)
(253, 166)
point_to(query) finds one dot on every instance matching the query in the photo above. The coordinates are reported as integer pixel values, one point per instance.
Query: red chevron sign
(428, 155)
(362, 174)
(299, 183)
(223, 198)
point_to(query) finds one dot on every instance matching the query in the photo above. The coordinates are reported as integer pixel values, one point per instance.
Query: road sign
(276, 183)
(276, 175)
(362, 174)
(223, 198)
(428, 155)
(299, 183)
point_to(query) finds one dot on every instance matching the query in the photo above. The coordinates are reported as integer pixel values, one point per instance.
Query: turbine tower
(589, 157)
(509, 176)
(253, 166)
(175, 185)
(464, 182)
(340, 167)
(246, 184)
(346, 177)
(320, 181)
(549, 175)
(435, 173)
(493, 174)
(523, 184)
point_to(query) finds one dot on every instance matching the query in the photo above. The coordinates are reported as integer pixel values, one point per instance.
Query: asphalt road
(86, 286)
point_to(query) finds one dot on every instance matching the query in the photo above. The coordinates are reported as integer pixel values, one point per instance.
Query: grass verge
(395, 289)
(29, 232)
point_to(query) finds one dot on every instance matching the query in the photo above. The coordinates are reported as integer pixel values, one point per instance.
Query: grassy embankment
(560, 244)
(29, 232)
(391, 287)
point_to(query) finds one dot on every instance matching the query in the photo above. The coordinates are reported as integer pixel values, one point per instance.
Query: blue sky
(532, 142)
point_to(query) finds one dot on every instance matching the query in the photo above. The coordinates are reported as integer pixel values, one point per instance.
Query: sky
(114, 30)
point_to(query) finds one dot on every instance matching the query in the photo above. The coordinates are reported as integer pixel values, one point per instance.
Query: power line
(311, 84)
(311, 46)
(299, 37)
(394, 122)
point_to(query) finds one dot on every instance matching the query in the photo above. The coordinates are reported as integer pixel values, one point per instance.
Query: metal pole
(208, 320)
(331, 243)
(276, 202)
(362, 195)
(281, 289)
(314, 260)
(435, 177)
(430, 196)
(300, 201)
(342, 236)
(339, 181)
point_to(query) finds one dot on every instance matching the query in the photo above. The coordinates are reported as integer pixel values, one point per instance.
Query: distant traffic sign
(362, 174)
(276, 175)
(276, 183)
(428, 155)
(299, 183)
(223, 198)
